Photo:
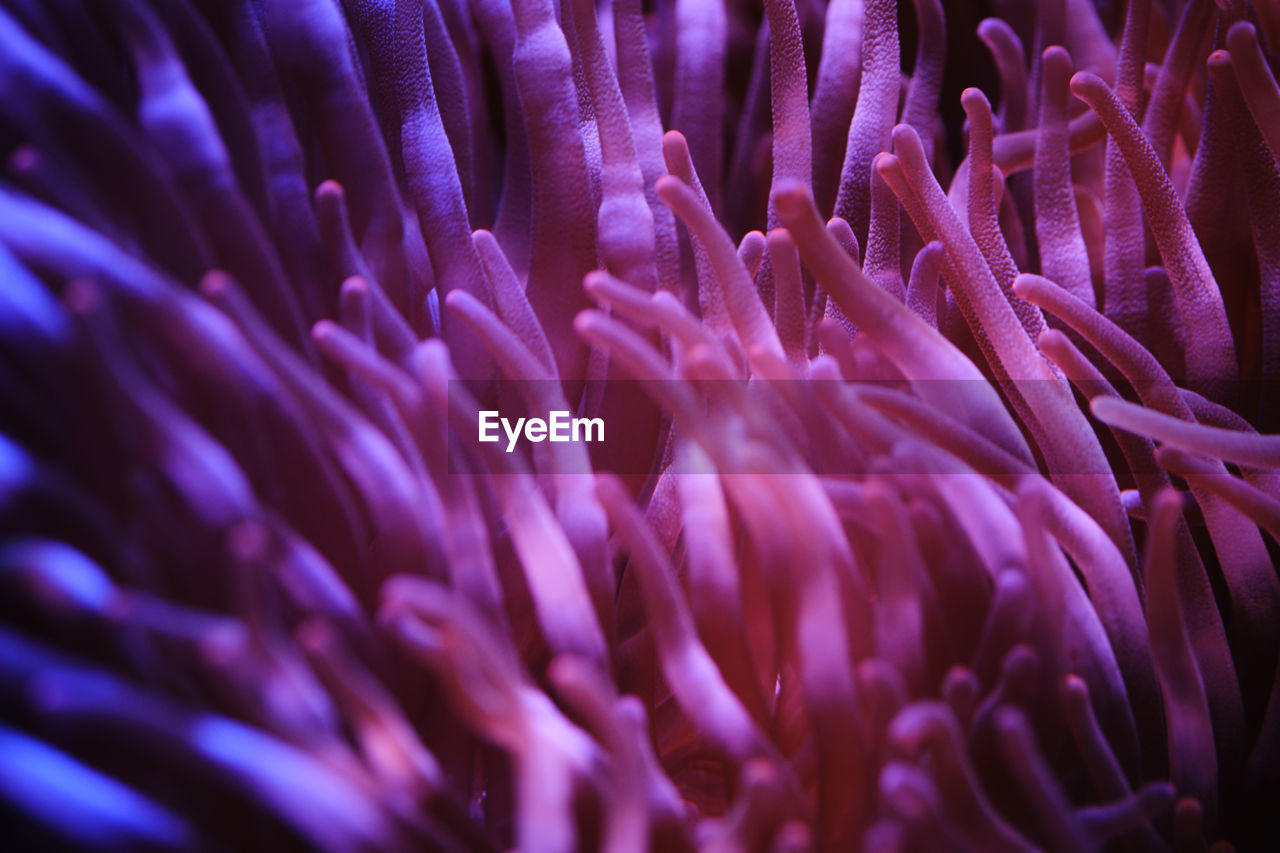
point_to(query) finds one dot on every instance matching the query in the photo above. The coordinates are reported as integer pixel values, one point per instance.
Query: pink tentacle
(834, 95)
(624, 222)
(920, 108)
(1011, 64)
(749, 316)
(984, 206)
(1211, 354)
(1070, 447)
(1160, 123)
(635, 76)
(1192, 754)
(1063, 256)
(871, 129)
(564, 229)
(789, 314)
(918, 350)
(697, 108)
(1257, 83)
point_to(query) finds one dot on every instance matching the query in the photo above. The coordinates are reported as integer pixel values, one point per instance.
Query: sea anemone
(936, 510)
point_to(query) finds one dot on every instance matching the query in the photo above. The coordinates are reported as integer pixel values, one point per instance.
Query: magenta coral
(933, 349)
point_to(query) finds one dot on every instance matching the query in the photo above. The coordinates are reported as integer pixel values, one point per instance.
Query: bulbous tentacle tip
(1086, 85)
(456, 300)
(886, 164)
(1099, 407)
(675, 148)
(1170, 458)
(568, 672)
(323, 330)
(987, 26)
(882, 157)
(1219, 60)
(905, 138)
(1168, 502)
(792, 200)
(1025, 285)
(673, 137)
(431, 357)
(584, 322)
(1242, 36)
(216, 283)
(972, 98)
(247, 540)
(24, 158)
(354, 286)
(82, 297)
(596, 284)
(330, 188)
(1056, 54)
(667, 187)
(779, 239)
(1075, 691)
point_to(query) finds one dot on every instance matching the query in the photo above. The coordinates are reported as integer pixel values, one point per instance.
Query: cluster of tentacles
(940, 515)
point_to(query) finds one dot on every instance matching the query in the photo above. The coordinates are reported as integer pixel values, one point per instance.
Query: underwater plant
(933, 349)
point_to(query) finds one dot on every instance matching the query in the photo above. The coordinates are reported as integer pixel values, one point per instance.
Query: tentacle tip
(567, 670)
(216, 283)
(1075, 689)
(875, 163)
(595, 283)
(1050, 339)
(1188, 808)
(610, 490)
(355, 285)
(975, 102)
(667, 185)
(792, 199)
(329, 190)
(904, 135)
(585, 321)
(315, 636)
(455, 298)
(885, 164)
(1057, 56)
(432, 348)
(778, 239)
(675, 147)
(25, 158)
(1024, 286)
(323, 330)
(674, 137)
(1008, 719)
(1086, 83)
(1167, 502)
(82, 296)
(1169, 457)
(1241, 35)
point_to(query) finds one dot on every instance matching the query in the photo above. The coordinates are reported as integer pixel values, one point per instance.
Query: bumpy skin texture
(940, 510)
